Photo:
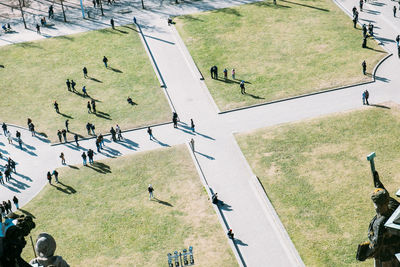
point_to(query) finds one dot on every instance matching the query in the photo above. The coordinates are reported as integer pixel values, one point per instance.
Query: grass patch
(110, 221)
(293, 48)
(318, 179)
(35, 74)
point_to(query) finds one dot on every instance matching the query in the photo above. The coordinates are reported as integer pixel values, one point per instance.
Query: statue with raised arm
(382, 245)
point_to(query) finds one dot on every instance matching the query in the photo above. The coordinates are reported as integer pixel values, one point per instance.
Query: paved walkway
(260, 236)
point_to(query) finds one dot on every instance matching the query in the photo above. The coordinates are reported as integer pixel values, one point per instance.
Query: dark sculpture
(382, 245)
(14, 242)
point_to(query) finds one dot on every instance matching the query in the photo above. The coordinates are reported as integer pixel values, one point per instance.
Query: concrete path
(261, 238)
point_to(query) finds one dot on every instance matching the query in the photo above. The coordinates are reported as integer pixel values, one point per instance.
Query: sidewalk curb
(221, 217)
(311, 94)
(269, 209)
(155, 67)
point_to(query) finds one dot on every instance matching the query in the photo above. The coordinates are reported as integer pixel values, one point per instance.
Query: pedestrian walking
(84, 91)
(394, 11)
(150, 132)
(151, 190)
(51, 12)
(242, 88)
(398, 51)
(175, 121)
(19, 143)
(13, 165)
(15, 200)
(212, 72)
(89, 107)
(4, 126)
(101, 138)
(363, 98)
(398, 40)
(31, 127)
(73, 83)
(93, 105)
(66, 125)
(59, 134)
(55, 173)
(94, 3)
(105, 61)
(90, 154)
(85, 72)
(37, 28)
(64, 134)
(98, 144)
(56, 107)
(134, 20)
(9, 205)
(119, 132)
(113, 134)
(9, 137)
(76, 140)
(1, 178)
(62, 158)
(92, 128)
(84, 158)
(192, 144)
(233, 74)
(49, 177)
(68, 85)
(361, 5)
(192, 125)
(364, 67)
(354, 9)
(7, 174)
(88, 127)
(112, 23)
(225, 74)
(366, 97)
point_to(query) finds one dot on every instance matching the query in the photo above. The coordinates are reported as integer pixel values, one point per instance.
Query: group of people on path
(8, 169)
(6, 207)
(89, 155)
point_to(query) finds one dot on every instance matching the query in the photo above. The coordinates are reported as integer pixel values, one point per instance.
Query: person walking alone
(55, 173)
(84, 158)
(112, 23)
(62, 158)
(49, 177)
(105, 61)
(150, 189)
(76, 140)
(364, 67)
(56, 107)
(150, 132)
(85, 72)
(15, 200)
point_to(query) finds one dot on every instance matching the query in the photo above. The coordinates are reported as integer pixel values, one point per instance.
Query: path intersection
(261, 238)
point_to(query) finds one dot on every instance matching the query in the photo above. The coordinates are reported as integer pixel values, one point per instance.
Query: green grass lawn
(35, 74)
(290, 49)
(110, 221)
(317, 177)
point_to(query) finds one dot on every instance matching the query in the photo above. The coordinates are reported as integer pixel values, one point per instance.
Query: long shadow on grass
(94, 79)
(267, 4)
(102, 115)
(231, 81)
(27, 213)
(313, 7)
(115, 70)
(67, 189)
(379, 106)
(254, 96)
(163, 202)
(133, 29)
(229, 11)
(65, 115)
(100, 167)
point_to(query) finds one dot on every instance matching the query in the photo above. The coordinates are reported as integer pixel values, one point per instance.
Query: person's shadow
(240, 242)
(163, 202)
